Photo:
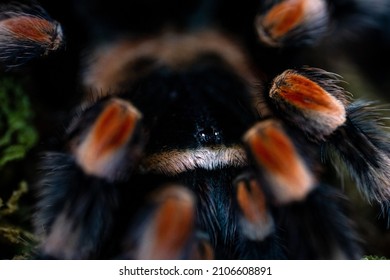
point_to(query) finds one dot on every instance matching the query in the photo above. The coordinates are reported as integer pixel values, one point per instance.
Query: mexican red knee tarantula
(202, 135)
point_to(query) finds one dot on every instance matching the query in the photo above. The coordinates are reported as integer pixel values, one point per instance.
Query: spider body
(185, 148)
(192, 135)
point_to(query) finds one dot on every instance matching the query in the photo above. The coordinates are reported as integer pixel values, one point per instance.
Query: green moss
(17, 137)
(12, 204)
(12, 233)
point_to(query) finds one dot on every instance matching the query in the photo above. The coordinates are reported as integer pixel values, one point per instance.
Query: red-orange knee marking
(284, 17)
(30, 28)
(252, 202)
(304, 93)
(171, 227)
(103, 144)
(283, 168)
(273, 149)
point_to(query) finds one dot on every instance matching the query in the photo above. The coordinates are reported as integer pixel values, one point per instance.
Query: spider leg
(292, 187)
(292, 22)
(26, 32)
(351, 133)
(202, 248)
(103, 150)
(258, 238)
(81, 189)
(319, 227)
(311, 100)
(280, 167)
(363, 146)
(165, 226)
(255, 219)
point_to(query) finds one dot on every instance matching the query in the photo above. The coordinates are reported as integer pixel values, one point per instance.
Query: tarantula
(195, 141)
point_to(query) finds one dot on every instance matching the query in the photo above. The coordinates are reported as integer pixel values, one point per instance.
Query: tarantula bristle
(169, 230)
(102, 150)
(363, 145)
(256, 220)
(25, 33)
(328, 219)
(281, 167)
(291, 22)
(72, 209)
(306, 103)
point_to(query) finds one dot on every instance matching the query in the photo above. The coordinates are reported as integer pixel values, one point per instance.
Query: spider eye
(209, 135)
